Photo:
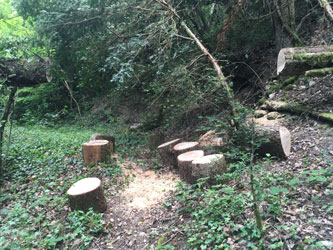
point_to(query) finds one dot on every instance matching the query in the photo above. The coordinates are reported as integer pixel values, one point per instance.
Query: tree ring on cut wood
(95, 151)
(166, 153)
(87, 193)
(185, 164)
(277, 140)
(208, 166)
(184, 147)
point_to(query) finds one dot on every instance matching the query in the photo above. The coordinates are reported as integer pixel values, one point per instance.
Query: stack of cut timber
(184, 147)
(87, 193)
(208, 166)
(166, 153)
(109, 138)
(276, 140)
(95, 151)
(185, 164)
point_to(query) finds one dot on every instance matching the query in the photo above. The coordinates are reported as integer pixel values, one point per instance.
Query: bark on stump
(166, 153)
(87, 193)
(295, 61)
(95, 151)
(277, 140)
(185, 164)
(208, 166)
(109, 138)
(184, 147)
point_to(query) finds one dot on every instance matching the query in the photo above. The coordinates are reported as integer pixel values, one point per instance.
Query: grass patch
(42, 164)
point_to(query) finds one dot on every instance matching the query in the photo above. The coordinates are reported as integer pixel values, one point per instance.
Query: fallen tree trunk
(295, 61)
(87, 193)
(24, 74)
(297, 109)
(327, 7)
(319, 72)
(276, 140)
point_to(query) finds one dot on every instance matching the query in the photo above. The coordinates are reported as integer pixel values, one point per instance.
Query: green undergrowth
(222, 216)
(41, 166)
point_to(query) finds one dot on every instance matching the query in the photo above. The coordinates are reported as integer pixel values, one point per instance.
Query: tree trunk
(87, 193)
(24, 74)
(208, 166)
(327, 7)
(3, 122)
(166, 153)
(95, 151)
(185, 164)
(109, 138)
(276, 140)
(184, 147)
(284, 24)
(295, 61)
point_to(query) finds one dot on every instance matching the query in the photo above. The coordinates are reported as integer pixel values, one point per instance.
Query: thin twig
(72, 97)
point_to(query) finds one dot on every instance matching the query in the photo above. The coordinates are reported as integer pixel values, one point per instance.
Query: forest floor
(148, 205)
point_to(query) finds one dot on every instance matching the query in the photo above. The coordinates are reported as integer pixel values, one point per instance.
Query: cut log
(87, 193)
(95, 151)
(210, 139)
(208, 166)
(295, 61)
(184, 147)
(154, 140)
(109, 138)
(185, 164)
(276, 140)
(166, 153)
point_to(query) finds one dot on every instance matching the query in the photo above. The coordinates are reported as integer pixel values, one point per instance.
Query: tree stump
(184, 147)
(87, 193)
(109, 138)
(166, 153)
(95, 151)
(295, 61)
(276, 140)
(185, 164)
(208, 166)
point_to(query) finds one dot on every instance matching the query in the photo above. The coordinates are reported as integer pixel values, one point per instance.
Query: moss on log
(296, 61)
(319, 72)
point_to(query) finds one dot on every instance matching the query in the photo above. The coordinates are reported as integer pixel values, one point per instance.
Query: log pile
(95, 151)
(87, 193)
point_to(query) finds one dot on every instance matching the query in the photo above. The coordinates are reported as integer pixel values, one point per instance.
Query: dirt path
(137, 214)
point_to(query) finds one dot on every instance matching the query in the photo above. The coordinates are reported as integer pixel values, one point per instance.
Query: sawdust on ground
(148, 187)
